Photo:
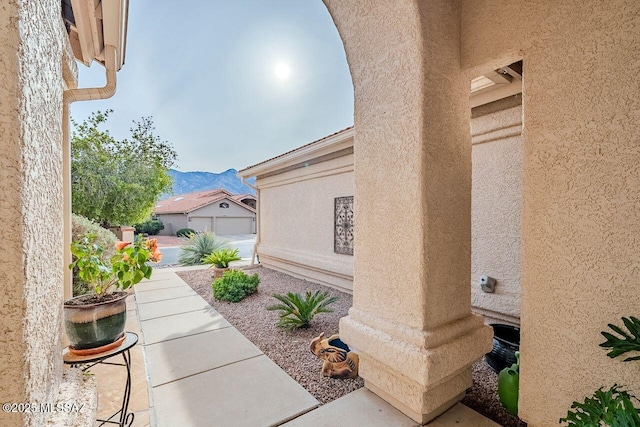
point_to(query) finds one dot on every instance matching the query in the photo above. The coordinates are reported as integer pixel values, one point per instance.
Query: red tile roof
(185, 203)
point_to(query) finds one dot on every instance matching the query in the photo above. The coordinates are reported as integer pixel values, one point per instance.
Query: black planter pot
(506, 341)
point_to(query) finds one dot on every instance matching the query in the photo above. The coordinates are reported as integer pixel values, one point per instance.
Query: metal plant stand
(86, 362)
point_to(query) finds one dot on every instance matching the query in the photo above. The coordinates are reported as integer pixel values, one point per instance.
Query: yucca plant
(613, 407)
(198, 246)
(298, 312)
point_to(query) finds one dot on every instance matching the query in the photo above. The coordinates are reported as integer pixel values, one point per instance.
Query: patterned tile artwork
(343, 221)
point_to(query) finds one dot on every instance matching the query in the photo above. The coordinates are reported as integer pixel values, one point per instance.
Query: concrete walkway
(203, 372)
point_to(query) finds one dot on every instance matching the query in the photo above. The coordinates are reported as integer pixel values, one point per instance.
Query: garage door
(201, 223)
(227, 225)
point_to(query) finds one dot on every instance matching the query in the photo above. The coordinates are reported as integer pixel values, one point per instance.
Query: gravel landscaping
(290, 350)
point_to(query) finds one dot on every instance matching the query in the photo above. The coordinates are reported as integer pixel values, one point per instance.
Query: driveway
(243, 242)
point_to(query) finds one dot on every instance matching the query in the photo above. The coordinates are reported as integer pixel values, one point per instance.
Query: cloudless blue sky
(205, 72)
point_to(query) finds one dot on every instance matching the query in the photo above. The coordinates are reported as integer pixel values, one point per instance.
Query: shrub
(221, 258)
(298, 312)
(185, 232)
(151, 227)
(80, 226)
(234, 285)
(197, 246)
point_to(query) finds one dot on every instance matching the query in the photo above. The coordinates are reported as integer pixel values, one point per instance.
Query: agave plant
(197, 246)
(298, 312)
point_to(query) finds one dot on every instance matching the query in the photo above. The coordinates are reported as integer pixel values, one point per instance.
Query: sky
(229, 83)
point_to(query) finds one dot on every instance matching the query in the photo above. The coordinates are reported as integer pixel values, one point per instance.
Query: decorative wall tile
(343, 234)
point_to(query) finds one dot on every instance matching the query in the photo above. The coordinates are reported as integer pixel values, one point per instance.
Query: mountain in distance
(190, 182)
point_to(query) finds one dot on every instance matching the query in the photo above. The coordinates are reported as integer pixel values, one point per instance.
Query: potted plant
(94, 322)
(220, 260)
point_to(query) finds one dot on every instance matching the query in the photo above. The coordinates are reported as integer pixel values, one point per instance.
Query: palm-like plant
(198, 246)
(221, 258)
(298, 312)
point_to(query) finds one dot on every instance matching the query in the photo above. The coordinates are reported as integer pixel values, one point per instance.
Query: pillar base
(421, 373)
(415, 416)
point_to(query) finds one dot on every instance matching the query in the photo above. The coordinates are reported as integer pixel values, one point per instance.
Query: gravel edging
(290, 350)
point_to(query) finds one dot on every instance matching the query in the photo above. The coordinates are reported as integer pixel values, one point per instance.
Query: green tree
(118, 182)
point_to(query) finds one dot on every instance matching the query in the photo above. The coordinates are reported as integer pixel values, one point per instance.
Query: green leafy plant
(234, 286)
(127, 267)
(298, 312)
(150, 227)
(185, 232)
(626, 342)
(197, 246)
(117, 182)
(105, 238)
(221, 258)
(613, 407)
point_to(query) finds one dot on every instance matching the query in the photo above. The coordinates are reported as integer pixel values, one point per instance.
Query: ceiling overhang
(497, 84)
(93, 24)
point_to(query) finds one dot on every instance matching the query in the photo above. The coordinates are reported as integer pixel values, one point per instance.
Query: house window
(343, 225)
(224, 205)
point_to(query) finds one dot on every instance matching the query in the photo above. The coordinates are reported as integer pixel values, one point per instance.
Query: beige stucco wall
(411, 317)
(581, 186)
(172, 223)
(496, 210)
(581, 190)
(31, 266)
(303, 244)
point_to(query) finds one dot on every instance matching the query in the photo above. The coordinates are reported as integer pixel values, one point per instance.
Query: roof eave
(99, 26)
(326, 145)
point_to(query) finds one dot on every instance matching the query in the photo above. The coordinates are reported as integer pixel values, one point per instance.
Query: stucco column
(33, 46)
(411, 318)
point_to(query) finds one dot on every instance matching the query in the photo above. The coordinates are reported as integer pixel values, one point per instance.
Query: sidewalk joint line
(212, 369)
(183, 336)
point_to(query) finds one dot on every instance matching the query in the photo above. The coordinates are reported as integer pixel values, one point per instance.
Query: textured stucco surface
(412, 253)
(32, 44)
(12, 379)
(581, 186)
(496, 213)
(303, 244)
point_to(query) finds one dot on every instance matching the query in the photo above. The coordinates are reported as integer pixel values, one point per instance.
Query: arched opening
(411, 63)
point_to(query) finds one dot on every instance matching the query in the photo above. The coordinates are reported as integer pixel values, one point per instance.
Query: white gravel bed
(290, 350)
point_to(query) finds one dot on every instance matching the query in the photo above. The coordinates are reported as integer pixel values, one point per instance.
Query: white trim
(320, 148)
(327, 172)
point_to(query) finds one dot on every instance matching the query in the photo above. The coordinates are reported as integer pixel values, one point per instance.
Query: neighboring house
(215, 210)
(306, 210)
